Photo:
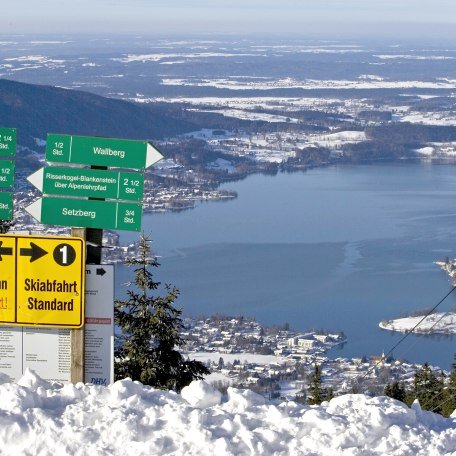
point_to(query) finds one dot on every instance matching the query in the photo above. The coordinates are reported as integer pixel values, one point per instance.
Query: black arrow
(5, 250)
(101, 271)
(34, 252)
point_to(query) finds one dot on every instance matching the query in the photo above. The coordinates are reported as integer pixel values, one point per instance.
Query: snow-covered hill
(127, 418)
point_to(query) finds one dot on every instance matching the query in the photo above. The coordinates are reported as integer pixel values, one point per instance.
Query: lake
(338, 248)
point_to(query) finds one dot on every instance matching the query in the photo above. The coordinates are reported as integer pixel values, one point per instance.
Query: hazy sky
(305, 17)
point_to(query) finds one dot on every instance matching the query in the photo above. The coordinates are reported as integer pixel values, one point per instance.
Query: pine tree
(449, 402)
(428, 389)
(316, 395)
(396, 390)
(5, 226)
(150, 325)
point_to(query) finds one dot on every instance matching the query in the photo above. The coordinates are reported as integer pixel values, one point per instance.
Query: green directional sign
(95, 151)
(6, 173)
(90, 183)
(7, 142)
(111, 215)
(6, 206)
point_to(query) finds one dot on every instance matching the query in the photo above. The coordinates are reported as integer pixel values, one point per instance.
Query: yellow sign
(7, 280)
(42, 281)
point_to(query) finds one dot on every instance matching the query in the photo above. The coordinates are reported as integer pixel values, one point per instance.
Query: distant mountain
(36, 110)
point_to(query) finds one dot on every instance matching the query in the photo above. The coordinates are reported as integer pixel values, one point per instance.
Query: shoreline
(441, 323)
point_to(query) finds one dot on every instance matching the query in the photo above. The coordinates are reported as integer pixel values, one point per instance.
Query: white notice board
(99, 324)
(47, 351)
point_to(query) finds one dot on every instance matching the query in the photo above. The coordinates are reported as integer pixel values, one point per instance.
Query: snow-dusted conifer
(5, 226)
(147, 349)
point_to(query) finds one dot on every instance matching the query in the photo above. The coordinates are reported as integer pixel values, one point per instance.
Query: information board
(6, 173)
(6, 206)
(88, 183)
(98, 151)
(109, 215)
(42, 281)
(47, 350)
(8, 141)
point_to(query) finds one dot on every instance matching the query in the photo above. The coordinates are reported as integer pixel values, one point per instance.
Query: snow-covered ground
(285, 104)
(128, 418)
(235, 83)
(430, 118)
(439, 323)
(239, 114)
(242, 357)
(443, 150)
(334, 140)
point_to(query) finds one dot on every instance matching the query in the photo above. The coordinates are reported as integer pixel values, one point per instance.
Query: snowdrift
(127, 418)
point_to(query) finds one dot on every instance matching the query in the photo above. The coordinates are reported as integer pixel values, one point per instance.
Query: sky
(263, 17)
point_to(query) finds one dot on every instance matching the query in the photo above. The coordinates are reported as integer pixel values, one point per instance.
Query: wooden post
(94, 238)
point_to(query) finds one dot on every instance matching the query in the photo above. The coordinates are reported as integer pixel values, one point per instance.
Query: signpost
(6, 206)
(111, 198)
(7, 149)
(6, 173)
(48, 350)
(7, 142)
(91, 183)
(95, 151)
(42, 281)
(87, 213)
(44, 350)
(99, 324)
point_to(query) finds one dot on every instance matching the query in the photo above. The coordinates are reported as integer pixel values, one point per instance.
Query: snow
(241, 357)
(236, 83)
(38, 417)
(143, 58)
(332, 140)
(238, 114)
(201, 395)
(40, 142)
(425, 150)
(430, 118)
(442, 323)
(222, 164)
(256, 103)
(371, 77)
(414, 57)
(33, 58)
(167, 164)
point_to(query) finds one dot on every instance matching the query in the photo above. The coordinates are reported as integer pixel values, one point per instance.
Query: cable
(439, 320)
(408, 333)
(452, 396)
(428, 331)
(421, 321)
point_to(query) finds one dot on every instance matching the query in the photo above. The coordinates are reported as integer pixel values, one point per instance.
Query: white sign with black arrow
(99, 324)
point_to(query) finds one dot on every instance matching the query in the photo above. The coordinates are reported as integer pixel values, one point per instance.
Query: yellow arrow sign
(7, 279)
(42, 281)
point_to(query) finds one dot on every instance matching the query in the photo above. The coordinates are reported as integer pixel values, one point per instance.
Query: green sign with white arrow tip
(110, 215)
(6, 206)
(6, 173)
(89, 183)
(95, 151)
(7, 142)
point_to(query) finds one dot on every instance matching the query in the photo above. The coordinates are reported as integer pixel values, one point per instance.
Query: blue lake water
(338, 248)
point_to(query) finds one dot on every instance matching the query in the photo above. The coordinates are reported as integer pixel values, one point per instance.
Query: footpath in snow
(127, 418)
